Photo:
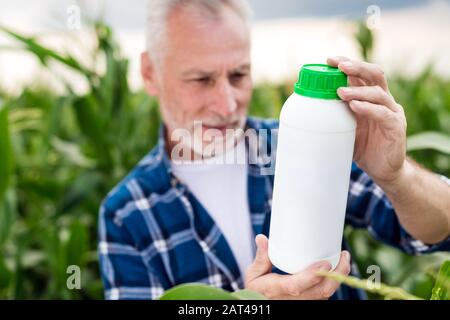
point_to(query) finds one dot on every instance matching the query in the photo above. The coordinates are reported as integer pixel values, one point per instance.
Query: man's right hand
(304, 285)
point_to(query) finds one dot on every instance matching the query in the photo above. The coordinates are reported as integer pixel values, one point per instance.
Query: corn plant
(69, 151)
(60, 153)
(199, 291)
(442, 287)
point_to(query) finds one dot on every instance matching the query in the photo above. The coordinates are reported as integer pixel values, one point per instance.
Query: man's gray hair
(158, 11)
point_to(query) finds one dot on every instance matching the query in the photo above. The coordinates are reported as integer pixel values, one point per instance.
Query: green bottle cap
(320, 81)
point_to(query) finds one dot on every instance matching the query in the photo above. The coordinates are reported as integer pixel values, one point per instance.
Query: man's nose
(224, 102)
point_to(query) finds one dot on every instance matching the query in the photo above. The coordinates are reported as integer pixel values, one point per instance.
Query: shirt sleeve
(124, 273)
(369, 207)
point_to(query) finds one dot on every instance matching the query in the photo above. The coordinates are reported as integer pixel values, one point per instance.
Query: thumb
(261, 265)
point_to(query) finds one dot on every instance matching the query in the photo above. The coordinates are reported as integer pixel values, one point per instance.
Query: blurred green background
(61, 153)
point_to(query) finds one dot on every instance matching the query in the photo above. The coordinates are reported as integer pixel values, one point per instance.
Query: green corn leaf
(5, 277)
(441, 288)
(56, 264)
(8, 215)
(18, 115)
(384, 290)
(44, 54)
(364, 37)
(7, 199)
(429, 140)
(248, 295)
(77, 245)
(197, 291)
(6, 153)
(89, 121)
(33, 258)
(72, 152)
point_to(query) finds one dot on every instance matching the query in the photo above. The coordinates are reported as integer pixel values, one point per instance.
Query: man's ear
(148, 74)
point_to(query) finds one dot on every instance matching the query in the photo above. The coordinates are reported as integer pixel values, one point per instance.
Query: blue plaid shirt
(154, 233)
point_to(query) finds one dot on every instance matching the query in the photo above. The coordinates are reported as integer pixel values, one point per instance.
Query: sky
(131, 16)
(285, 34)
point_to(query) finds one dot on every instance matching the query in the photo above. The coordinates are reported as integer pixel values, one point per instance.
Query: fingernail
(259, 242)
(344, 90)
(347, 256)
(346, 64)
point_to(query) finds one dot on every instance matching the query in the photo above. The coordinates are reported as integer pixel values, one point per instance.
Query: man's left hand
(380, 146)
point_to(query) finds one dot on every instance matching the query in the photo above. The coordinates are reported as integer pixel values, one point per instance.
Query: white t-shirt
(222, 190)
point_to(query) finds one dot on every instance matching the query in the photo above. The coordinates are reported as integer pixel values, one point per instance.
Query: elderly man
(170, 222)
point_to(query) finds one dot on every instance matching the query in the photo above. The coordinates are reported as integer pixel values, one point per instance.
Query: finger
(366, 71)
(352, 81)
(328, 287)
(372, 111)
(334, 61)
(277, 286)
(261, 264)
(356, 82)
(304, 280)
(271, 285)
(373, 94)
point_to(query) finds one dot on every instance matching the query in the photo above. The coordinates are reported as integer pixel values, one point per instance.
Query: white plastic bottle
(312, 172)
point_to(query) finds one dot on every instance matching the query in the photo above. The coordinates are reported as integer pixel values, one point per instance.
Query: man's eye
(237, 76)
(202, 80)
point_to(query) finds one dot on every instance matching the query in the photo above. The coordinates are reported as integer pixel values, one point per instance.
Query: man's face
(204, 74)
